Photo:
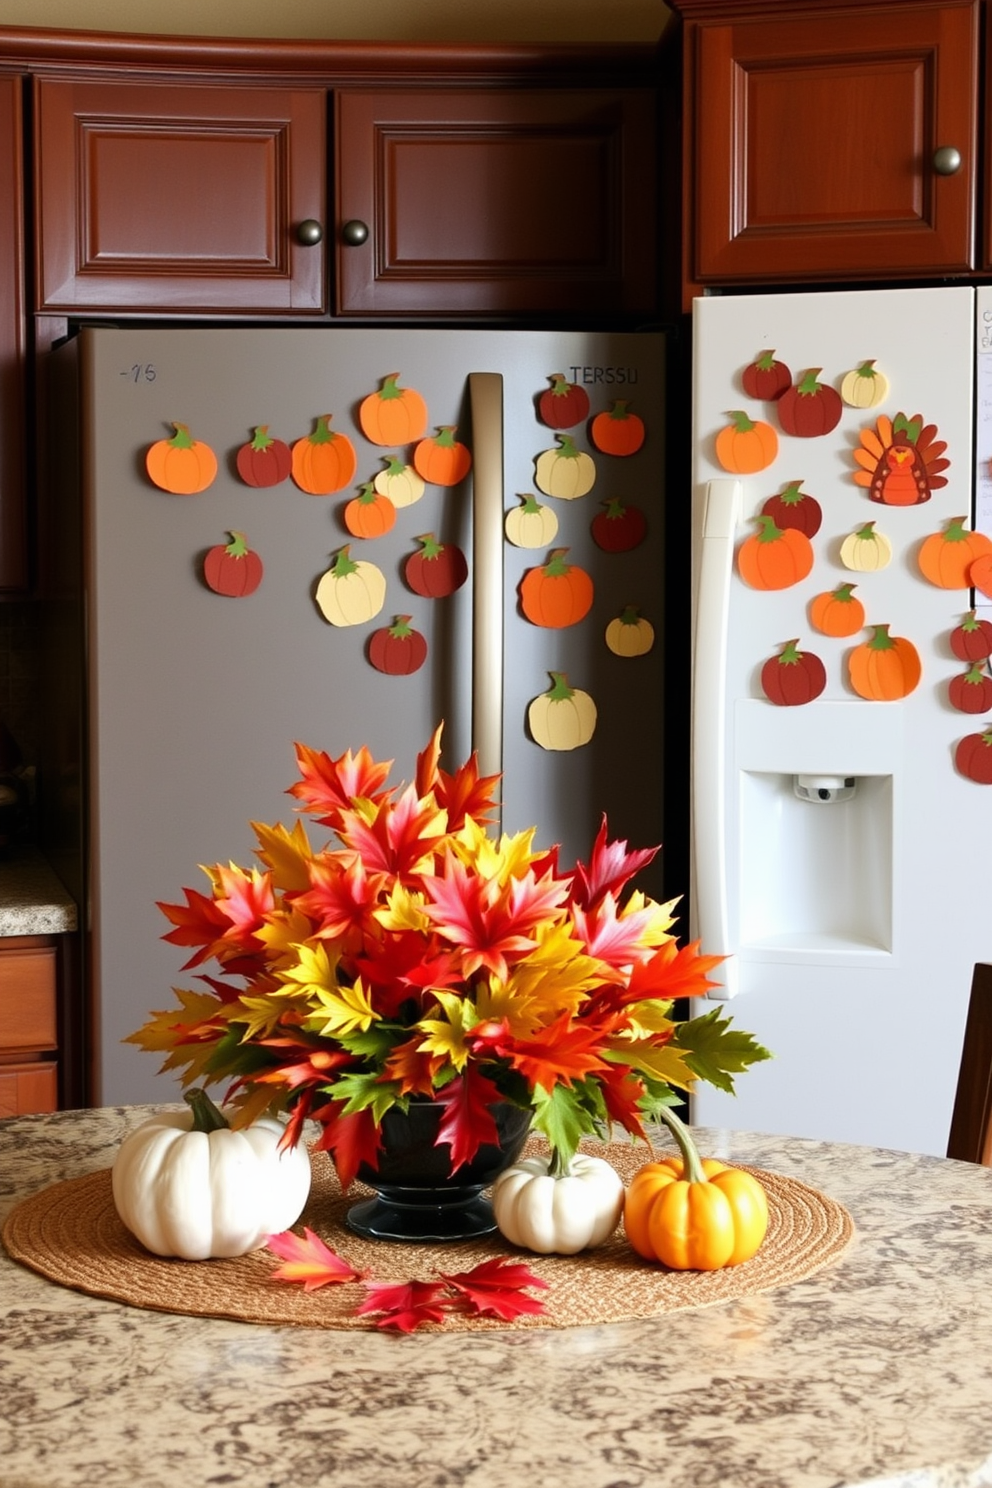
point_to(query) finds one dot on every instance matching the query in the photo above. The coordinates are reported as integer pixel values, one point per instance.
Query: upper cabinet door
(833, 144)
(495, 203)
(14, 573)
(177, 197)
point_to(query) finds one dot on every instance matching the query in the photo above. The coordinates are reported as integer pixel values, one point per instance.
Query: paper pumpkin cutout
(397, 649)
(566, 472)
(866, 550)
(864, 386)
(980, 574)
(971, 691)
(946, 558)
(264, 460)
(181, 465)
(557, 594)
(837, 612)
(793, 677)
(884, 667)
(369, 514)
(400, 482)
(563, 717)
(393, 415)
(746, 445)
(972, 639)
(901, 460)
(324, 461)
(441, 459)
(233, 569)
(531, 525)
(564, 404)
(350, 592)
(809, 408)
(629, 634)
(792, 507)
(617, 431)
(774, 557)
(765, 378)
(618, 528)
(973, 757)
(437, 570)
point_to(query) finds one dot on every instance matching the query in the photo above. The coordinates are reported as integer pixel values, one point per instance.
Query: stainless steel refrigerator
(191, 699)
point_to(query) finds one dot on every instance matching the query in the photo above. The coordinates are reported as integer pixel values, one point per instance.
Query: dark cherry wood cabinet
(178, 197)
(829, 141)
(14, 565)
(495, 202)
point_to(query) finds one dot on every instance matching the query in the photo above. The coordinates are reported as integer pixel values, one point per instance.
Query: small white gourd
(558, 1213)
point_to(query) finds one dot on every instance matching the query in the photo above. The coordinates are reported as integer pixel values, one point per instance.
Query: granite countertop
(33, 900)
(875, 1370)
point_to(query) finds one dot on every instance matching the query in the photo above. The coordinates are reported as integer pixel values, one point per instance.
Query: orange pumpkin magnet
(181, 465)
(369, 514)
(885, 667)
(746, 445)
(324, 461)
(617, 431)
(837, 612)
(946, 558)
(774, 557)
(980, 575)
(393, 415)
(441, 459)
(901, 460)
(557, 594)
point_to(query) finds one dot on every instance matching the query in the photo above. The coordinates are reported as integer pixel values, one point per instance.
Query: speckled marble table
(876, 1370)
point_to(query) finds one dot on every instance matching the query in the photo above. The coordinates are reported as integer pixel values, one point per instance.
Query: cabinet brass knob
(354, 233)
(947, 160)
(309, 233)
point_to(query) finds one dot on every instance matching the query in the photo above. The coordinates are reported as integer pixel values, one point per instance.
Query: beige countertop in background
(875, 1370)
(32, 898)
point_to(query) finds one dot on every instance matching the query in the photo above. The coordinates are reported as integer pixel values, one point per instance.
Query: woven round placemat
(70, 1233)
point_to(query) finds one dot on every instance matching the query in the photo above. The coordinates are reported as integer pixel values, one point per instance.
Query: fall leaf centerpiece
(418, 965)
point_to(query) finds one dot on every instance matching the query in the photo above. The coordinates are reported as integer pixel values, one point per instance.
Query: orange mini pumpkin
(323, 461)
(441, 459)
(946, 557)
(837, 612)
(746, 445)
(393, 415)
(885, 667)
(774, 557)
(181, 465)
(369, 514)
(617, 431)
(557, 594)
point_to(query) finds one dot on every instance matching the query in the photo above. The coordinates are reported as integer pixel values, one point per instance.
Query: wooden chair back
(971, 1123)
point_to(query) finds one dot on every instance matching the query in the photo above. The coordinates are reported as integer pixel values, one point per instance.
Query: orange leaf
(308, 1260)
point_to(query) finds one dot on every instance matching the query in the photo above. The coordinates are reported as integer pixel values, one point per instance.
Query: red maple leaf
(340, 899)
(495, 1288)
(465, 793)
(622, 1090)
(398, 966)
(612, 938)
(467, 1122)
(198, 922)
(244, 899)
(672, 972)
(404, 1305)
(610, 866)
(328, 785)
(557, 1054)
(351, 1140)
(308, 1260)
(488, 923)
(399, 839)
(413, 1069)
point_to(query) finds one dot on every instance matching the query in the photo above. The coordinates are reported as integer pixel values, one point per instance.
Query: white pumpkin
(558, 1213)
(199, 1193)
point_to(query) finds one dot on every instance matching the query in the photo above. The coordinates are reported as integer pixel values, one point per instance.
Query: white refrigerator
(841, 813)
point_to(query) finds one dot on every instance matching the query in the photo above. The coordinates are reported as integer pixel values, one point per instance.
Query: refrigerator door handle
(486, 402)
(721, 514)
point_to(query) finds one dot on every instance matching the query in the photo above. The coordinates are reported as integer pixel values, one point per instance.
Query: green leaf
(715, 1051)
(363, 1092)
(231, 1056)
(374, 1044)
(562, 1118)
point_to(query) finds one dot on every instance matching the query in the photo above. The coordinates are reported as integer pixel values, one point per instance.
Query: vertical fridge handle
(721, 513)
(486, 401)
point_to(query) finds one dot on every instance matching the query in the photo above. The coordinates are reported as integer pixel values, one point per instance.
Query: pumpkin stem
(389, 389)
(262, 438)
(183, 439)
(558, 1165)
(568, 450)
(808, 384)
(556, 567)
(559, 691)
(880, 640)
(206, 1116)
(691, 1165)
(323, 434)
(344, 564)
(431, 547)
(237, 547)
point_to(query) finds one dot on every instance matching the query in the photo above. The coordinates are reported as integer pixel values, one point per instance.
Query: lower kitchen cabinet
(28, 1025)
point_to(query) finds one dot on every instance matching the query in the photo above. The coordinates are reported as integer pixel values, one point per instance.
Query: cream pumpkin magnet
(565, 472)
(393, 415)
(182, 465)
(864, 386)
(233, 569)
(901, 460)
(866, 550)
(629, 634)
(562, 718)
(531, 524)
(400, 482)
(350, 592)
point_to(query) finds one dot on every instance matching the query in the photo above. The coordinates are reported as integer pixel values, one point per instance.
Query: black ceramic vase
(417, 1197)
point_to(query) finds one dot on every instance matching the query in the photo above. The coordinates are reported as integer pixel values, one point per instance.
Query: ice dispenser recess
(817, 820)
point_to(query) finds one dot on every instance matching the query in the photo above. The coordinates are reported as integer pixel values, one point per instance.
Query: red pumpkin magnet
(618, 528)
(233, 570)
(973, 757)
(746, 445)
(397, 649)
(441, 459)
(323, 461)
(885, 667)
(774, 557)
(972, 639)
(792, 507)
(437, 570)
(393, 415)
(564, 404)
(946, 558)
(264, 460)
(181, 465)
(617, 431)
(809, 408)
(793, 677)
(901, 460)
(369, 514)
(971, 691)
(557, 594)
(765, 378)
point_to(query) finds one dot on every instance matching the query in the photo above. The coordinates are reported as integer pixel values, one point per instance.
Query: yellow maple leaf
(343, 1010)
(446, 1036)
(403, 911)
(262, 1014)
(658, 918)
(286, 854)
(649, 1017)
(282, 934)
(494, 862)
(667, 1063)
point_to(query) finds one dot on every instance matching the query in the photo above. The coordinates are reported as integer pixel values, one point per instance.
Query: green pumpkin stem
(880, 640)
(206, 1116)
(344, 564)
(742, 423)
(389, 389)
(559, 691)
(182, 439)
(556, 567)
(238, 546)
(692, 1167)
(769, 530)
(808, 384)
(790, 655)
(431, 547)
(323, 434)
(568, 450)
(262, 438)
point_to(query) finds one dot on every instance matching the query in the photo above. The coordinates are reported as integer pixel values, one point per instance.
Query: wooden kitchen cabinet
(14, 574)
(178, 197)
(813, 140)
(28, 1025)
(485, 202)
